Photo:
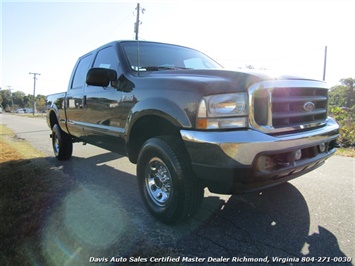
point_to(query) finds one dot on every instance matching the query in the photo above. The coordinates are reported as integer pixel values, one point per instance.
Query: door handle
(84, 101)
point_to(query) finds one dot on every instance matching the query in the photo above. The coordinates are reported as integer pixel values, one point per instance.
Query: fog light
(322, 147)
(298, 155)
(265, 163)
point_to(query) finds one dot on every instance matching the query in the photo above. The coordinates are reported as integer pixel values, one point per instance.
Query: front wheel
(61, 143)
(168, 186)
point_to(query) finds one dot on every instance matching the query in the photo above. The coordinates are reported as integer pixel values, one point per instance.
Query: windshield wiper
(157, 68)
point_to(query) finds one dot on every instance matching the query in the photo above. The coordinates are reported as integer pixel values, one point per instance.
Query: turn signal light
(202, 123)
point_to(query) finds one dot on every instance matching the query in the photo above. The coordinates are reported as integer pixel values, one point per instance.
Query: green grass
(346, 152)
(28, 188)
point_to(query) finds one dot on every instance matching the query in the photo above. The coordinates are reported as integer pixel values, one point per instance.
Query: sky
(282, 36)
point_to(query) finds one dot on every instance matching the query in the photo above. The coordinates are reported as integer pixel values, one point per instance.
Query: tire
(170, 190)
(61, 143)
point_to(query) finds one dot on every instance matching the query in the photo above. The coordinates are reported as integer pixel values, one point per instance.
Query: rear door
(75, 111)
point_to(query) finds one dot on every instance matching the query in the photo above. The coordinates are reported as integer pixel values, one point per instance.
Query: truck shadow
(273, 223)
(96, 214)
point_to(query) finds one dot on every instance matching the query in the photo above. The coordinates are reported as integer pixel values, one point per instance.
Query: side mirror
(123, 84)
(101, 77)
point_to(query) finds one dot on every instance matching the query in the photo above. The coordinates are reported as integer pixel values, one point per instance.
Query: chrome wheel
(168, 186)
(56, 144)
(158, 182)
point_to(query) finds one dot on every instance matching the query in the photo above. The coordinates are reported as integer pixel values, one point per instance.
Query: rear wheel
(168, 186)
(61, 143)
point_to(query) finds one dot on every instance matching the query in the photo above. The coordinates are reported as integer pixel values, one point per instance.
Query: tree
(338, 95)
(349, 83)
(343, 95)
(28, 100)
(6, 98)
(41, 102)
(17, 98)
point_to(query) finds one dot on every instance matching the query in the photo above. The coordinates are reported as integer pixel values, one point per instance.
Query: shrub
(346, 119)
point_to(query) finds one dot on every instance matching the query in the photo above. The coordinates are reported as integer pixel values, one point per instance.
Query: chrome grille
(289, 106)
(278, 106)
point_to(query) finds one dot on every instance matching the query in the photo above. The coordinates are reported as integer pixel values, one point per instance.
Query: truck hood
(212, 80)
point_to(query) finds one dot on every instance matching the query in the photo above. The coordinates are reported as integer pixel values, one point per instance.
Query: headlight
(223, 111)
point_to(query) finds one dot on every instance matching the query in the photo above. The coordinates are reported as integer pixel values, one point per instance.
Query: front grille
(298, 106)
(277, 109)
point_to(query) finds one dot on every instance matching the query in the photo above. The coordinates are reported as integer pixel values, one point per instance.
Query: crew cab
(189, 124)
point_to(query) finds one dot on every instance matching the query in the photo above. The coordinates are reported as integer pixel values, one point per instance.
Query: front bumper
(240, 161)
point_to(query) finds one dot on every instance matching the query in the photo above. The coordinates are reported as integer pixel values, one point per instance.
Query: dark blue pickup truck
(189, 124)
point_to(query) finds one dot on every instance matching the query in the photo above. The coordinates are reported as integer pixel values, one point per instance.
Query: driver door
(102, 108)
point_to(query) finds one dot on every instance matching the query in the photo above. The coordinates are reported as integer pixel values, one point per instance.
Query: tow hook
(337, 145)
(334, 144)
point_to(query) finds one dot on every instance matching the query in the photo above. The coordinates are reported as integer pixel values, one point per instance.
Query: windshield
(157, 56)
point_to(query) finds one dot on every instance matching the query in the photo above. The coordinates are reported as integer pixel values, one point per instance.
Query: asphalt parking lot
(309, 220)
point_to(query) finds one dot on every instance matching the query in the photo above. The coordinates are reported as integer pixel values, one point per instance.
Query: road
(103, 216)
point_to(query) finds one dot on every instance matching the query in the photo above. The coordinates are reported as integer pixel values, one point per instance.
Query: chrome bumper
(227, 160)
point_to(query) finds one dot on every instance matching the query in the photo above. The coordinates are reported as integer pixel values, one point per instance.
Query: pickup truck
(189, 124)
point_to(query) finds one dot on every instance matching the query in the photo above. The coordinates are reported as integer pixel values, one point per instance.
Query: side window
(80, 73)
(107, 58)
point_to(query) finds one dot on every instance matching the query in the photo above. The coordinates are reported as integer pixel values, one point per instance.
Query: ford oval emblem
(309, 106)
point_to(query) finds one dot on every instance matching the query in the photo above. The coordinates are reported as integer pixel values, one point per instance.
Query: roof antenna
(136, 30)
(138, 58)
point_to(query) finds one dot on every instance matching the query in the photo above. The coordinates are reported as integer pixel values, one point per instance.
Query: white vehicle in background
(24, 111)
(28, 110)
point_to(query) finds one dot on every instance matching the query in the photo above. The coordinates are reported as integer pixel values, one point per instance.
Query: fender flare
(53, 109)
(161, 107)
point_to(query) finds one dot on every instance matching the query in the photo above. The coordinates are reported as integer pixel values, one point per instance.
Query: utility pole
(325, 62)
(137, 23)
(34, 91)
(12, 98)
